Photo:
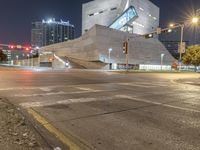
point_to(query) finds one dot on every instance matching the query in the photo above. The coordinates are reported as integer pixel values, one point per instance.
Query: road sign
(182, 47)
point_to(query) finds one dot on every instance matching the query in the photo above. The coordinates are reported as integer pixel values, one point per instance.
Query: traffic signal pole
(127, 54)
(125, 51)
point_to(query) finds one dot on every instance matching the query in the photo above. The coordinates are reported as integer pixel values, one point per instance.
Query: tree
(192, 56)
(3, 57)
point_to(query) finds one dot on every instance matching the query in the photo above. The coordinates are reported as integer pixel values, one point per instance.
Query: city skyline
(18, 24)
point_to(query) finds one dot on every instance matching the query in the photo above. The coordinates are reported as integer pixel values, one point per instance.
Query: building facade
(50, 32)
(106, 25)
(135, 16)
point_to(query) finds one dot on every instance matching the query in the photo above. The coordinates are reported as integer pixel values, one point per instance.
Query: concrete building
(92, 50)
(50, 32)
(106, 25)
(144, 18)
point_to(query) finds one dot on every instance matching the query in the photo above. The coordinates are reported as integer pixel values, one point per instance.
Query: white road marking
(56, 93)
(45, 88)
(156, 103)
(137, 85)
(85, 89)
(68, 101)
(152, 83)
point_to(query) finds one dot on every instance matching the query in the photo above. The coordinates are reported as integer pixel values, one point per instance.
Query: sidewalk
(15, 134)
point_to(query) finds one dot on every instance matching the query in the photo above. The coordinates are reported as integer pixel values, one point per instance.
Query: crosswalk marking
(49, 88)
(137, 85)
(68, 101)
(56, 93)
(44, 88)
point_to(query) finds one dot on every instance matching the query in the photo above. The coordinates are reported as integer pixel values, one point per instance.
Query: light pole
(28, 59)
(181, 49)
(17, 57)
(109, 52)
(23, 59)
(162, 56)
(38, 51)
(181, 45)
(32, 61)
(194, 20)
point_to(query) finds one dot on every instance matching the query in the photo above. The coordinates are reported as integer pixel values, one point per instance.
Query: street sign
(182, 47)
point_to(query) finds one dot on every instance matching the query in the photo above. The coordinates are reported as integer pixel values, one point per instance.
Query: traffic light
(27, 48)
(148, 36)
(125, 47)
(167, 30)
(12, 46)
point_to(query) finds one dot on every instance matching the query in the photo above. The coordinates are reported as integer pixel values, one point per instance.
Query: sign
(182, 47)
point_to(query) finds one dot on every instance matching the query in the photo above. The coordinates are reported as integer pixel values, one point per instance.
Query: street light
(195, 20)
(162, 56)
(109, 52)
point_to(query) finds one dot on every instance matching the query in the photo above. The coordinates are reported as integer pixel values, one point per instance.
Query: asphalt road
(108, 110)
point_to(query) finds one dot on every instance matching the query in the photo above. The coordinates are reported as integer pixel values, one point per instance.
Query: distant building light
(49, 21)
(96, 13)
(141, 9)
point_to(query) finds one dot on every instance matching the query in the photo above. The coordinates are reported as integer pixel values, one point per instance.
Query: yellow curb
(53, 130)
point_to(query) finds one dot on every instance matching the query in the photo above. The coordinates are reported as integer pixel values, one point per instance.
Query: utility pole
(125, 51)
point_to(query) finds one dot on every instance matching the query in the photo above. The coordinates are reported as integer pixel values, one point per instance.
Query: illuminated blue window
(129, 15)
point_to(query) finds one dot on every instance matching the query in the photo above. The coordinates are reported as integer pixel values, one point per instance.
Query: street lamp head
(171, 25)
(169, 30)
(162, 55)
(195, 20)
(110, 49)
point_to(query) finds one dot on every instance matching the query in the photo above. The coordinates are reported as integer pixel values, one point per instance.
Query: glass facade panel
(125, 18)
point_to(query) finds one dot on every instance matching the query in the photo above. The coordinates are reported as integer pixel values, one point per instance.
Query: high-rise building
(50, 32)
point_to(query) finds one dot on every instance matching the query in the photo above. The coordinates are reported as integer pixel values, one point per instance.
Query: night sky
(16, 15)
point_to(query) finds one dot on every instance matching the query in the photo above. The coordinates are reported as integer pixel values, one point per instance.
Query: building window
(101, 12)
(114, 8)
(91, 15)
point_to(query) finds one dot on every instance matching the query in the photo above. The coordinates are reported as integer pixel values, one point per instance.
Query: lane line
(63, 138)
(156, 103)
(68, 101)
(137, 85)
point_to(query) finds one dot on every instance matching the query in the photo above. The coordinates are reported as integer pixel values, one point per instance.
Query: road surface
(85, 109)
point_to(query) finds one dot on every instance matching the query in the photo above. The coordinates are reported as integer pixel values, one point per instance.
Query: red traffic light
(27, 48)
(12, 46)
